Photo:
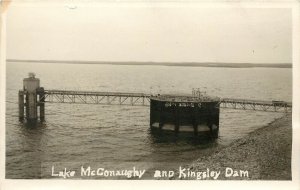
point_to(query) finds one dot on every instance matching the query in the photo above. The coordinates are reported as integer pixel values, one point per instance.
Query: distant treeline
(183, 64)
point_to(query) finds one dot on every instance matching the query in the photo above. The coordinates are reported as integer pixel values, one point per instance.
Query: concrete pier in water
(28, 100)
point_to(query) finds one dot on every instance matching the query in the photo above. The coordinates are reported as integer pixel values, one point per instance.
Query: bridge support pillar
(195, 118)
(31, 90)
(21, 106)
(161, 116)
(41, 94)
(176, 117)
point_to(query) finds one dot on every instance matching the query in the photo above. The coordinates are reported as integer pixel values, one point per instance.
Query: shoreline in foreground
(265, 153)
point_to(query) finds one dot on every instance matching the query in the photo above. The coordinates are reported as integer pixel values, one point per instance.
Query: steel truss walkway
(106, 98)
(141, 99)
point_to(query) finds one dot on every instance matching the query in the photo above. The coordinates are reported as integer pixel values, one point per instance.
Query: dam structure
(194, 113)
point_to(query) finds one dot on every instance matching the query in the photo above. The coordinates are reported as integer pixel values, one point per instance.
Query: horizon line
(163, 63)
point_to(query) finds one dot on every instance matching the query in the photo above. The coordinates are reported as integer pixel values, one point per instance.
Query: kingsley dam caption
(136, 173)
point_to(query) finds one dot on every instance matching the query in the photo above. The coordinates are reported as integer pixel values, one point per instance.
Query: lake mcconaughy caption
(137, 173)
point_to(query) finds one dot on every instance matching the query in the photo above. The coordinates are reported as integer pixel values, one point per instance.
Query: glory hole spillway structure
(196, 113)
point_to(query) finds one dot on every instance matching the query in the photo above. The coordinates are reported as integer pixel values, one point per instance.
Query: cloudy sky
(111, 32)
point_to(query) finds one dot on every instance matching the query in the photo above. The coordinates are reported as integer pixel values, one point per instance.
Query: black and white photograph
(149, 90)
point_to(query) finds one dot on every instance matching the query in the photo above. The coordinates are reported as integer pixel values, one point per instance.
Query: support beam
(161, 116)
(196, 119)
(21, 106)
(176, 117)
(41, 94)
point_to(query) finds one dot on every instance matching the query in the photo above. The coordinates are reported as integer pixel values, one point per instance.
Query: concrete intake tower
(196, 114)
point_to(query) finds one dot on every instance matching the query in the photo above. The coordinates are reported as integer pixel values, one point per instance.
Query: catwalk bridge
(141, 99)
(186, 113)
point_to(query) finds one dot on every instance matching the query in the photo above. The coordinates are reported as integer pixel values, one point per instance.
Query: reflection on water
(188, 138)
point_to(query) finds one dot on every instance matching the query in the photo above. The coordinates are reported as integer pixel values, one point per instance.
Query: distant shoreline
(178, 64)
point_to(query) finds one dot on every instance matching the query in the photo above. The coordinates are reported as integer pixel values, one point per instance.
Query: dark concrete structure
(28, 99)
(185, 114)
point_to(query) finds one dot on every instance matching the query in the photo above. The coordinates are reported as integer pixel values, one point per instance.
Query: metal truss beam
(256, 105)
(105, 98)
(141, 99)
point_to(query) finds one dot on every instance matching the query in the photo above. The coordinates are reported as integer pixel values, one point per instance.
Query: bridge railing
(105, 98)
(142, 99)
(258, 105)
(68, 92)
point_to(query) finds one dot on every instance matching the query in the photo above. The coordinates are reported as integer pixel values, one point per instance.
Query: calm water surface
(118, 137)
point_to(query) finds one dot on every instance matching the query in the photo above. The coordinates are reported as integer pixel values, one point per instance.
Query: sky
(111, 32)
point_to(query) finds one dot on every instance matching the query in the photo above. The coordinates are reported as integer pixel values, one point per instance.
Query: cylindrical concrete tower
(30, 86)
(185, 114)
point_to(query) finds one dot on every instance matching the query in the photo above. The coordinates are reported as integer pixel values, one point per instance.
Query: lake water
(118, 137)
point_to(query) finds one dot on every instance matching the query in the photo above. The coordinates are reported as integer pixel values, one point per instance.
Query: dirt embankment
(264, 153)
